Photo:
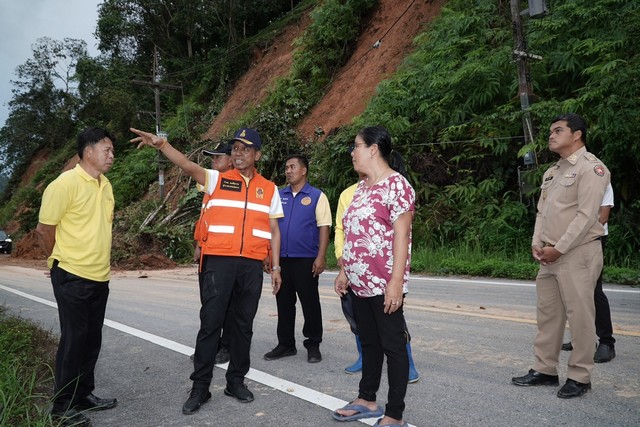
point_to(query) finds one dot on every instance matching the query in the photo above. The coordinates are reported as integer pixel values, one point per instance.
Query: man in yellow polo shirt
(74, 229)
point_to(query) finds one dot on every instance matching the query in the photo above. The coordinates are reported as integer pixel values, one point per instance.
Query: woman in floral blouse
(375, 264)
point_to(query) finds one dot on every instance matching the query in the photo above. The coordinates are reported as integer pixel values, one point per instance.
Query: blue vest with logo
(299, 235)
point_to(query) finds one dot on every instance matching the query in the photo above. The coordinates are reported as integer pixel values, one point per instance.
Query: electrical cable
(374, 46)
(464, 141)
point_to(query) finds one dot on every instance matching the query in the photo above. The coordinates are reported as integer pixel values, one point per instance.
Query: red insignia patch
(599, 170)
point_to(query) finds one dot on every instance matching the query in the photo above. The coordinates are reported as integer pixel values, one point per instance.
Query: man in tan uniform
(566, 243)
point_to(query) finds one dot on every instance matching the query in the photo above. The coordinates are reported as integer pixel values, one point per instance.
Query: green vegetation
(452, 108)
(323, 48)
(453, 111)
(469, 260)
(26, 380)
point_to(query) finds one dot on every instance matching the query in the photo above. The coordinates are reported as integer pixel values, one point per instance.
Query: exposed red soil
(354, 87)
(346, 98)
(28, 247)
(268, 64)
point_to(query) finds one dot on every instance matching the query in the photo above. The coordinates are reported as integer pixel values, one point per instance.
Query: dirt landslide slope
(351, 91)
(395, 23)
(268, 64)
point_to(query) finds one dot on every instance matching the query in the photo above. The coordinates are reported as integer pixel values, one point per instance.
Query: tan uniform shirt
(571, 194)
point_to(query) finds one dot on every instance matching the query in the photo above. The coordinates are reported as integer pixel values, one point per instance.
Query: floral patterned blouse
(368, 232)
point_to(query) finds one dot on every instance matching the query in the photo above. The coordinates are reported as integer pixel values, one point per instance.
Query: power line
(464, 141)
(375, 45)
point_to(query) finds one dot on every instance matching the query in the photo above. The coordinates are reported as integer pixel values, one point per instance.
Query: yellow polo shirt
(343, 203)
(81, 208)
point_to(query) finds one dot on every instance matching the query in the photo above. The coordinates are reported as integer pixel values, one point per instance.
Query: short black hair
(301, 158)
(91, 136)
(574, 122)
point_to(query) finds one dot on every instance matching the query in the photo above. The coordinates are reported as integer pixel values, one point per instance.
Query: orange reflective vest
(235, 218)
(198, 231)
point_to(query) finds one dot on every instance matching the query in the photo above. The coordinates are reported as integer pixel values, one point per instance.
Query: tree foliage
(44, 106)
(454, 113)
(452, 108)
(323, 48)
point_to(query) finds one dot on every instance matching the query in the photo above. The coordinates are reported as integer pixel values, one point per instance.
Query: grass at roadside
(26, 381)
(466, 260)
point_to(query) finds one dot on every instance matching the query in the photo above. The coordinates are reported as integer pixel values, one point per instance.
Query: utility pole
(156, 86)
(522, 56)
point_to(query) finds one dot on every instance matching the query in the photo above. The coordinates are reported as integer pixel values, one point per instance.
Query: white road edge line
(489, 282)
(301, 392)
(413, 279)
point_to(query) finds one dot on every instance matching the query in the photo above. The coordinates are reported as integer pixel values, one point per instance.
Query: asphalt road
(469, 338)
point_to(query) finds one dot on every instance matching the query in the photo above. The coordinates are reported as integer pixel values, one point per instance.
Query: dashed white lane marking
(301, 392)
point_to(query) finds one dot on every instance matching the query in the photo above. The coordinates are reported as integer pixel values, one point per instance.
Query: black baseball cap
(222, 149)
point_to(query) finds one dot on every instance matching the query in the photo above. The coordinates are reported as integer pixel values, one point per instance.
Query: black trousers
(229, 287)
(297, 279)
(81, 307)
(346, 302)
(224, 336)
(604, 328)
(382, 335)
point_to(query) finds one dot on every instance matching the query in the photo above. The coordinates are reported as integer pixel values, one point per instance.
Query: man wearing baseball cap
(241, 224)
(220, 161)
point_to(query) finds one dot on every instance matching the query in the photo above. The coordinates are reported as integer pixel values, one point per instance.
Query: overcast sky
(22, 22)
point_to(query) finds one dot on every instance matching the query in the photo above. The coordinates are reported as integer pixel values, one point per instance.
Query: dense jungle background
(440, 75)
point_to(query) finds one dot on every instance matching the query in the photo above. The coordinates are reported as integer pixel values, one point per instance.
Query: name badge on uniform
(259, 193)
(230, 185)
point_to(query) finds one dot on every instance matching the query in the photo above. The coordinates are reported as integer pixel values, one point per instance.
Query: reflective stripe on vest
(236, 218)
(238, 204)
(260, 233)
(228, 229)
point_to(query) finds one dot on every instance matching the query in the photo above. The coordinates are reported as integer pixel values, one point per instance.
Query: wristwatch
(276, 268)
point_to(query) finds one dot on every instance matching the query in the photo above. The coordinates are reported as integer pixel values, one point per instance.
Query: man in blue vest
(304, 232)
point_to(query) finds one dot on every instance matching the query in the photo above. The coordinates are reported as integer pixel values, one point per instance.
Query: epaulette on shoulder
(592, 158)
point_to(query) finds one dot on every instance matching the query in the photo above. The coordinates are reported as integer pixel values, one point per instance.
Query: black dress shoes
(314, 355)
(573, 389)
(95, 403)
(604, 353)
(196, 399)
(279, 352)
(70, 418)
(240, 392)
(535, 378)
(567, 346)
